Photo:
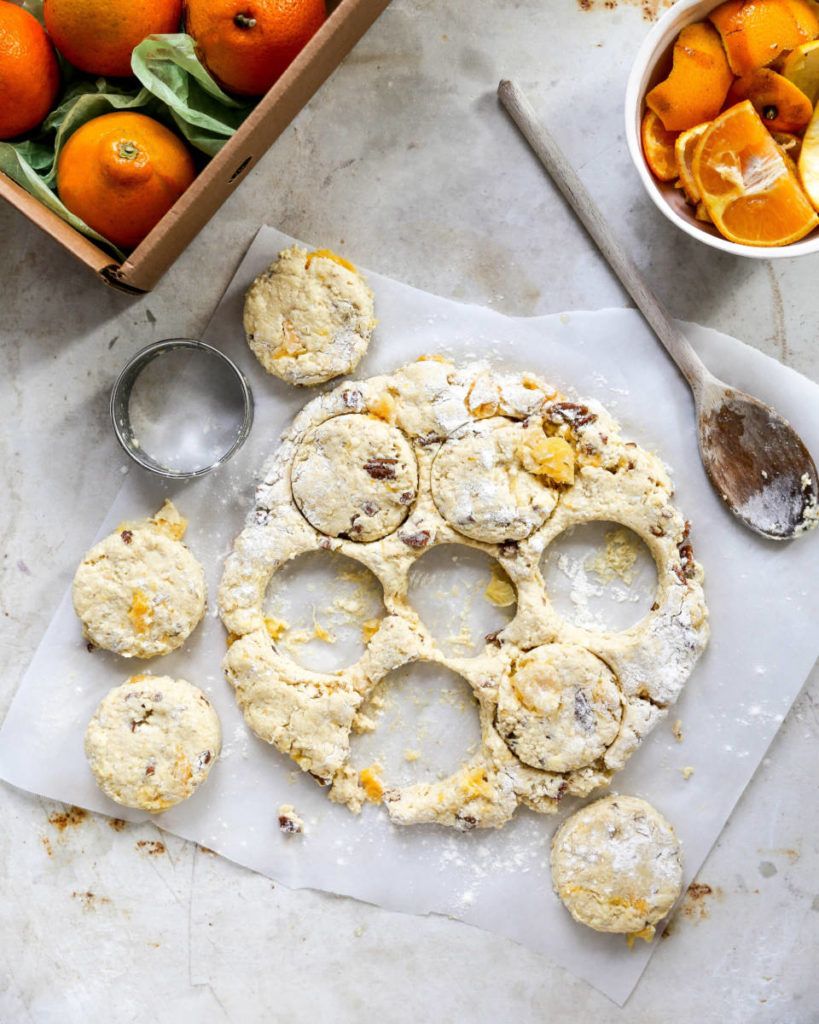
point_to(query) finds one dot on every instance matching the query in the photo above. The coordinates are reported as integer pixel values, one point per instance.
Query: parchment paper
(760, 593)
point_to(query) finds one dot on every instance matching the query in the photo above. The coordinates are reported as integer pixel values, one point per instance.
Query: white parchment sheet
(763, 620)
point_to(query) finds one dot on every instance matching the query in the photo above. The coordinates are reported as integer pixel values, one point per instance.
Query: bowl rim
(661, 35)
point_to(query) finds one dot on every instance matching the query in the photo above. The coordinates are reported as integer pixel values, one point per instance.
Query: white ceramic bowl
(650, 66)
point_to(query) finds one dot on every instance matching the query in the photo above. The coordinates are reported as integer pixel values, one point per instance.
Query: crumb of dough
(676, 731)
(412, 755)
(289, 820)
(499, 591)
(320, 633)
(275, 627)
(687, 772)
(369, 628)
(618, 558)
(170, 520)
(371, 783)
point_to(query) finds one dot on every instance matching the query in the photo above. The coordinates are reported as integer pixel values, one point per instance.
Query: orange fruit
(121, 173)
(658, 147)
(684, 148)
(781, 105)
(696, 88)
(247, 44)
(98, 36)
(29, 75)
(748, 188)
(755, 32)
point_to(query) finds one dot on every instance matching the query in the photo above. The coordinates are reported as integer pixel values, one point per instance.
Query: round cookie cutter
(180, 408)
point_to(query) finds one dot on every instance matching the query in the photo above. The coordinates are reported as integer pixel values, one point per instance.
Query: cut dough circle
(355, 476)
(481, 488)
(617, 865)
(152, 741)
(559, 708)
(309, 316)
(140, 592)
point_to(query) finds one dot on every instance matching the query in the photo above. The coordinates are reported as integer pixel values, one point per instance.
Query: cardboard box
(145, 265)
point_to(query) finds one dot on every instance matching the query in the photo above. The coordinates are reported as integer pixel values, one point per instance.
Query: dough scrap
(152, 741)
(617, 866)
(309, 316)
(140, 592)
(584, 699)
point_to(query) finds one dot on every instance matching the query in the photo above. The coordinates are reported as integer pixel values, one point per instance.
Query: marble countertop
(405, 163)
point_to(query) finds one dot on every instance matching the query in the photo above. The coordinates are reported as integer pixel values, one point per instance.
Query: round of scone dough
(152, 741)
(559, 708)
(309, 316)
(355, 476)
(140, 591)
(481, 487)
(617, 865)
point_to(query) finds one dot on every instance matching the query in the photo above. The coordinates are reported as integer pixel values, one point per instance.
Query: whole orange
(98, 36)
(121, 173)
(247, 44)
(29, 75)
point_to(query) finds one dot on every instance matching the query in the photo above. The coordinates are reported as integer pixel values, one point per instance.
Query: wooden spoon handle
(564, 176)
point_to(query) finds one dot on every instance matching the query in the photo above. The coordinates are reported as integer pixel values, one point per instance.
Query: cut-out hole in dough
(461, 595)
(427, 726)
(600, 576)
(321, 608)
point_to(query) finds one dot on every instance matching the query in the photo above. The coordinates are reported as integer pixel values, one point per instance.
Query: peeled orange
(746, 184)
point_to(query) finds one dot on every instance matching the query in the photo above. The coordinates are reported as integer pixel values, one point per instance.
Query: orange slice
(750, 192)
(781, 105)
(809, 160)
(658, 147)
(755, 32)
(684, 153)
(696, 88)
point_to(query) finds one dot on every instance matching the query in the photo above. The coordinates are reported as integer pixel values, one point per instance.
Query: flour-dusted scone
(559, 707)
(481, 486)
(140, 592)
(617, 865)
(504, 464)
(309, 316)
(152, 741)
(355, 476)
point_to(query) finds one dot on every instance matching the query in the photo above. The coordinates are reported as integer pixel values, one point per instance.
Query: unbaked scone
(309, 316)
(617, 865)
(355, 476)
(559, 708)
(152, 741)
(140, 592)
(481, 486)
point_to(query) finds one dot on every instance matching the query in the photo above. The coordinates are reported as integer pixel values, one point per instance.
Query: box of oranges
(125, 124)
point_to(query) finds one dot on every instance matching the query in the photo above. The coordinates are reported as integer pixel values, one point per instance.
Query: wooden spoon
(756, 461)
